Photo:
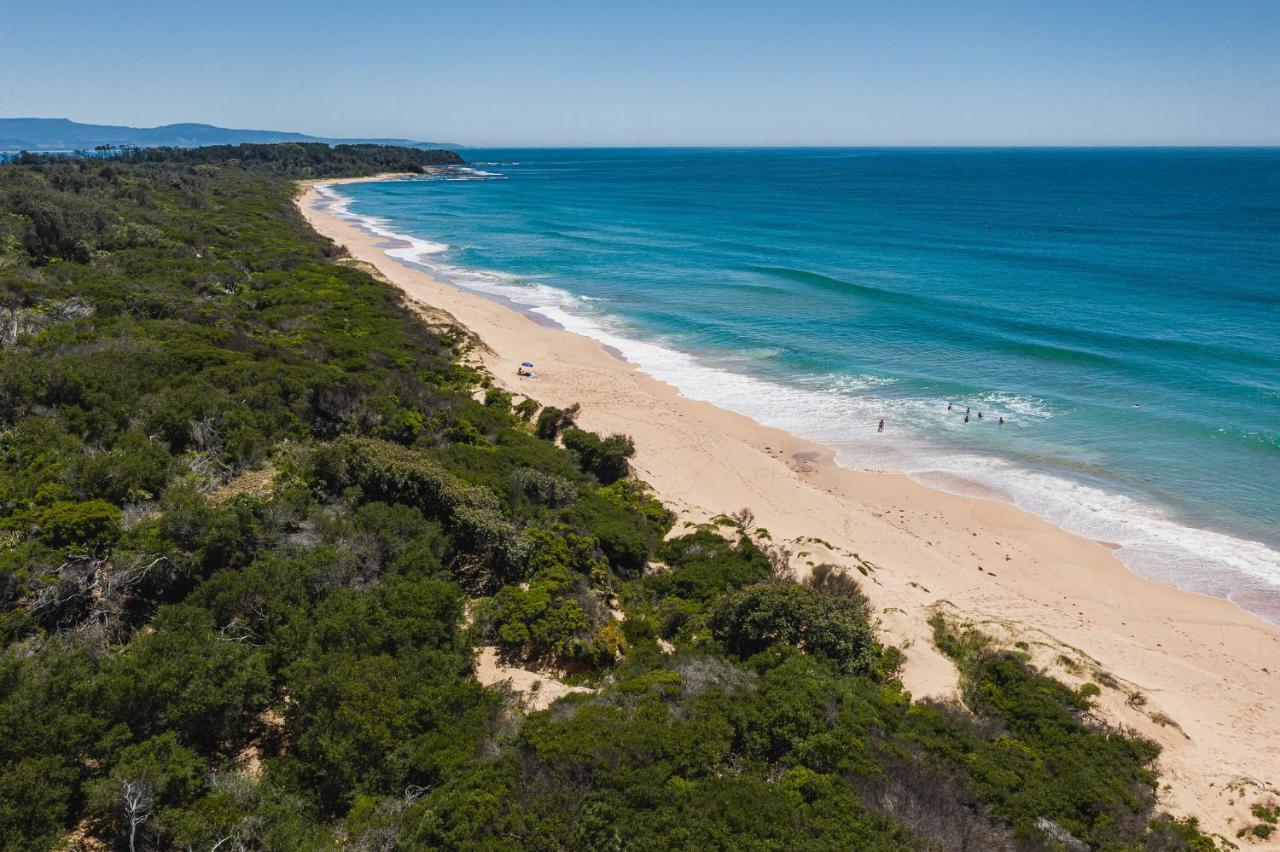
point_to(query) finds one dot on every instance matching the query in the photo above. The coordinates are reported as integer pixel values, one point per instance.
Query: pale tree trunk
(137, 796)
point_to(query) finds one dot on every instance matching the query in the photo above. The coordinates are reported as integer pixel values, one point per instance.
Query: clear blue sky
(541, 72)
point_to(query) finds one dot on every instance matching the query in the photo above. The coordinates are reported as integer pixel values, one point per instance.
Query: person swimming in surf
(966, 417)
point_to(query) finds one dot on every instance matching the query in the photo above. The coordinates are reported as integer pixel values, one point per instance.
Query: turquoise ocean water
(1119, 308)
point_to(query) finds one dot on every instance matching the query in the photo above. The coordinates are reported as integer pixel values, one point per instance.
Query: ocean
(1119, 309)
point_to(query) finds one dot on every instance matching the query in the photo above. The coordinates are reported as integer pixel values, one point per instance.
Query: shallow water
(1120, 309)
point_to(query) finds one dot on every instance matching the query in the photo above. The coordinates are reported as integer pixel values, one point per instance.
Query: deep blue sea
(1120, 309)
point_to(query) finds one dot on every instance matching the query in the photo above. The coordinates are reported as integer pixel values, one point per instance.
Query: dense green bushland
(253, 524)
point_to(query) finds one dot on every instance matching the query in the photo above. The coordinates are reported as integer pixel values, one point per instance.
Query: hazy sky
(651, 72)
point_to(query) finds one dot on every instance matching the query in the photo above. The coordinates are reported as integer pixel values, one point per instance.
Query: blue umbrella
(526, 364)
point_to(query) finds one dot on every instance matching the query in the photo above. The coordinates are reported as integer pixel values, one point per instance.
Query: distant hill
(61, 134)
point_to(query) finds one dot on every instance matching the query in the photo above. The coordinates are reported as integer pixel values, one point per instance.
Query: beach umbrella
(526, 364)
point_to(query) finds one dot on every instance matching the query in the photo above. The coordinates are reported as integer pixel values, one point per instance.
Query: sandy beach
(1194, 673)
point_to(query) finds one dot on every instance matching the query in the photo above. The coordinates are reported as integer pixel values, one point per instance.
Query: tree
(153, 775)
(137, 797)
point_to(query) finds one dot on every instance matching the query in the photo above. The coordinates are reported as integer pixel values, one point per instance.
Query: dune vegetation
(256, 517)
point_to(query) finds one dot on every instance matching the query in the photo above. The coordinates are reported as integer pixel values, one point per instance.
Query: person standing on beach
(881, 429)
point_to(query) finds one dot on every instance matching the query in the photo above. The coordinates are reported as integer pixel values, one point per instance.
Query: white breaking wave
(415, 250)
(834, 410)
(1150, 541)
(1024, 406)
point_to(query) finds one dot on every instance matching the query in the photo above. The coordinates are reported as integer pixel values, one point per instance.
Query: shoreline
(951, 482)
(1202, 661)
(1185, 538)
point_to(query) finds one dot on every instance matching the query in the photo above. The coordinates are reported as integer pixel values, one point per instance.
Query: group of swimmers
(966, 414)
(950, 407)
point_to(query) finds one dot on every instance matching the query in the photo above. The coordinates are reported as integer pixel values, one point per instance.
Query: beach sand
(1208, 673)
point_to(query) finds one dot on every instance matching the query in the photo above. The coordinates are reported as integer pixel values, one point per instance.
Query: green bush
(180, 677)
(35, 803)
(470, 512)
(750, 621)
(552, 421)
(382, 697)
(545, 489)
(634, 496)
(135, 469)
(497, 398)
(526, 408)
(704, 565)
(94, 524)
(1043, 759)
(541, 622)
(604, 457)
(626, 544)
(556, 617)
(377, 724)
